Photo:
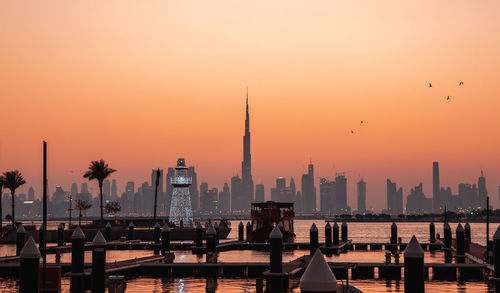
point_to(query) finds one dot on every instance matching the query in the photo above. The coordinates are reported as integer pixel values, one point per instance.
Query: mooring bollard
(394, 233)
(217, 233)
(98, 263)
(467, 231)
(60, 235)
(77, 260)
(432, 232)
(20, 236)
(313, 239)
(249, 231)
(344, 231)
(447, 243)
(107, 232)
(210, 238)
(318, 277)
(199, 235)
(165, 239)
(460, 237)
(335, 231)
(240, 232)
(157, 231)
(29, 267)
(496, 257)
(328, 235)
(131, 231)
(276, 250)
(388, 256)
(414, 267)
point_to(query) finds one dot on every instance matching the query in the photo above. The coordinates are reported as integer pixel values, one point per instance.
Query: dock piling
(77, 260)
(131, 231)
(414, 267)
(240, 232)
(328, 235)
(394, 233)
(107, 231)
(199, 234)
(248, 231)
(313, 239)
(460, 237)
(447, 243)
(60, 235)
(496, 257)
(432, 232)
(29, 267)
(335, 231)
(344, 231)
(165, 239)
(157, 232)
(20, 236)
(98, 263)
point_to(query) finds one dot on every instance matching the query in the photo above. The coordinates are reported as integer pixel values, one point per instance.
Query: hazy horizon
(140, 85)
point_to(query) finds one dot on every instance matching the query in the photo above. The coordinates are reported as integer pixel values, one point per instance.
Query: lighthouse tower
(180, 206)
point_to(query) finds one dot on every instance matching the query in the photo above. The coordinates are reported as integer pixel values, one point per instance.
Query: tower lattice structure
(180, 206)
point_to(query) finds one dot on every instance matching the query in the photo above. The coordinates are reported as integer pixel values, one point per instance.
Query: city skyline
(314, 73)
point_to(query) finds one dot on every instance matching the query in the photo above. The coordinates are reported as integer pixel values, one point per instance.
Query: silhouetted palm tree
(158, 174)
(99, 170)
(12, 180)
(2, 184)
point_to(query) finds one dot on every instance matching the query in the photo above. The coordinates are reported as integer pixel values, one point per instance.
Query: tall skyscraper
(180, 207)
(394, 198)
(341, 195)
(481, 191)
(225, 199)
(31, 193)
(106, 190)
(259, 193)
(326, 196)
(235, 193)
(308, 191)
(193, 189)
(417, 203)
(436, 201)
(282, 193)
(114, 190)
(247, 188)
(361, 196)
(74, 189)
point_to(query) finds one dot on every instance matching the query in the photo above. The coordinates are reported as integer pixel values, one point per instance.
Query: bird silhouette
(430, 84)
(448, 97)
(361, 121)
(352, 131)
(460, 83)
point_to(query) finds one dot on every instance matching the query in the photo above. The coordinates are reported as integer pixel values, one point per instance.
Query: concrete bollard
(328, 235)
(248, 231)
(20, 236)
(467, 234)
(335, 232)
(217, 233)
(496, 257)
(211, 247)
(313, 239)
(157, 231)
(77, 260)
(432, 232)
(460, 237)
(165, 239)
(414, 267)
(29, 267)
(344, 231)
(276, 253)
(318, 277)
(240, 232)
(107, 232)
(131, 231)
(394, 233)
(60, 235)
(199, 235)
(98, 278)
(447, 243)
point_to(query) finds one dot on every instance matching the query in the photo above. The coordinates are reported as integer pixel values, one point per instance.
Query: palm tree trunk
(156, 197)
(100, 195)
(13, 212)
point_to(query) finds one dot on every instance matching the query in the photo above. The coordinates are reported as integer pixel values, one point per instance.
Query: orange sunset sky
(141, 83)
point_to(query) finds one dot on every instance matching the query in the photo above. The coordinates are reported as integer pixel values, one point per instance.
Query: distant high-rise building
(74, 189)
(114, 191)
(394, 198)
(259, 193)
(361, 196)
(225, 199)
(436, 201)
(180, 207)
(242, 200)
(106, 190)
(282, 193)
(209, 201)
(298, 203)
(130, 187)
(341, 195)
(481, 191)
(193, 189)
(58, 196)
(326, 196)
(417, 203)
(31, 193)
(84, 188)
(203, 188)
(292, 186)
(235, 192)
(308, 191)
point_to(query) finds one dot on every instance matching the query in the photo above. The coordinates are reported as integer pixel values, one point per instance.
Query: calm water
(358, 232)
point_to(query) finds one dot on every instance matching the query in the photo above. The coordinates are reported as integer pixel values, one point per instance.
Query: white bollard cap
(414, 249)
(30, 250)
(276, 233)
(318, 277)
(78, 233)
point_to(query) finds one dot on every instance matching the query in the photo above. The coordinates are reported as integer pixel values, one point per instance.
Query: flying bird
(460, 83)
(361, 121)
(352, 131)
(430, 84)
(448, 97)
